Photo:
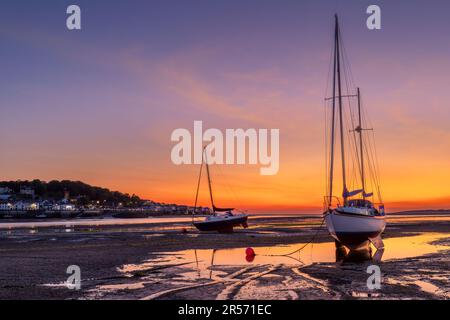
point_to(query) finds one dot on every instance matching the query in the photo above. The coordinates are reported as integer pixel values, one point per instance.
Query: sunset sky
(99, 105)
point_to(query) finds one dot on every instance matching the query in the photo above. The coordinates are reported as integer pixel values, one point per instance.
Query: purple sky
(99, 104)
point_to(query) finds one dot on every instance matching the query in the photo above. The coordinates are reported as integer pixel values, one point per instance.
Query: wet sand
(152, 261)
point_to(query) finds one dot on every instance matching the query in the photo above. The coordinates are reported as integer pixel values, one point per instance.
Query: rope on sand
(322, 285)
(175, 290)
(228, 291)
(301, 248)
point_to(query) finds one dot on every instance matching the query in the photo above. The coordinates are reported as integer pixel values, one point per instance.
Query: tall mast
(198, 186)
(332, 128)
(359, 130)
(341, 125)
(209, 180)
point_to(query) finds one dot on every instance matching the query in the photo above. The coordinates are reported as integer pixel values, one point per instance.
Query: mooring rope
(302, 247)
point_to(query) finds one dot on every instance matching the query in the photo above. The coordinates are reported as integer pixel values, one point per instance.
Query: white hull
(354, 230)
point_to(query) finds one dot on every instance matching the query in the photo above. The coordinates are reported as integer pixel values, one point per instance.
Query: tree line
(84, 193)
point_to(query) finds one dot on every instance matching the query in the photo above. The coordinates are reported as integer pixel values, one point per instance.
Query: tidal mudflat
(167, 259)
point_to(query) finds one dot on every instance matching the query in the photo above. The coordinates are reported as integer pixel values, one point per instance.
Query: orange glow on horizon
(104, 113)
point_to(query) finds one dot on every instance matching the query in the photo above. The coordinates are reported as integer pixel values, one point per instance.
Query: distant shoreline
(34, 216)
(421, 212)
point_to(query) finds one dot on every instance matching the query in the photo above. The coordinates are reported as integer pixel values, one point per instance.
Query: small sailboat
(358, 219)
(222, 219)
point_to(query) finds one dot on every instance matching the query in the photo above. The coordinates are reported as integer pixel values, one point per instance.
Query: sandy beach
(167, 259)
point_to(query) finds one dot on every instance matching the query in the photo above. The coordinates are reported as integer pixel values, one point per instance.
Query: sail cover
(222, 209)
(347, 193)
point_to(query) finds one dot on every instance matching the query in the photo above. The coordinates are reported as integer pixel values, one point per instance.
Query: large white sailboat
(355, 217)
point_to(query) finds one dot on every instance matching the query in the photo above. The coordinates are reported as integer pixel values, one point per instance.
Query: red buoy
(249, 252)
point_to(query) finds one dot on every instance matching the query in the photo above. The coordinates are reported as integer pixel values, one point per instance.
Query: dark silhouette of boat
(222, 222)
(221, 219)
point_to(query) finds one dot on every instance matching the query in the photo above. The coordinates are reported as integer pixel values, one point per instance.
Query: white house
(6, 206)
(63, 207)
(22, 205)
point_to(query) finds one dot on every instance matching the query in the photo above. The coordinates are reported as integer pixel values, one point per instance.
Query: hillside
(76, 189)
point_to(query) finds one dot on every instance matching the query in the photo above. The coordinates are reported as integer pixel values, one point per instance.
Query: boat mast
(359, 130)
(209, 180)
(341, 125)
(198, 188)
(332, 129)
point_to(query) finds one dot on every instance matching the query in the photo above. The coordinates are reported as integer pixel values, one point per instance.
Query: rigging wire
(198, 188)
(368, 149)
(229, 188)
(225, 183)
(349, 83)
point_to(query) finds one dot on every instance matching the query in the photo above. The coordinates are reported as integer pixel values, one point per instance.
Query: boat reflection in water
(360, 255)
(343, 255)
